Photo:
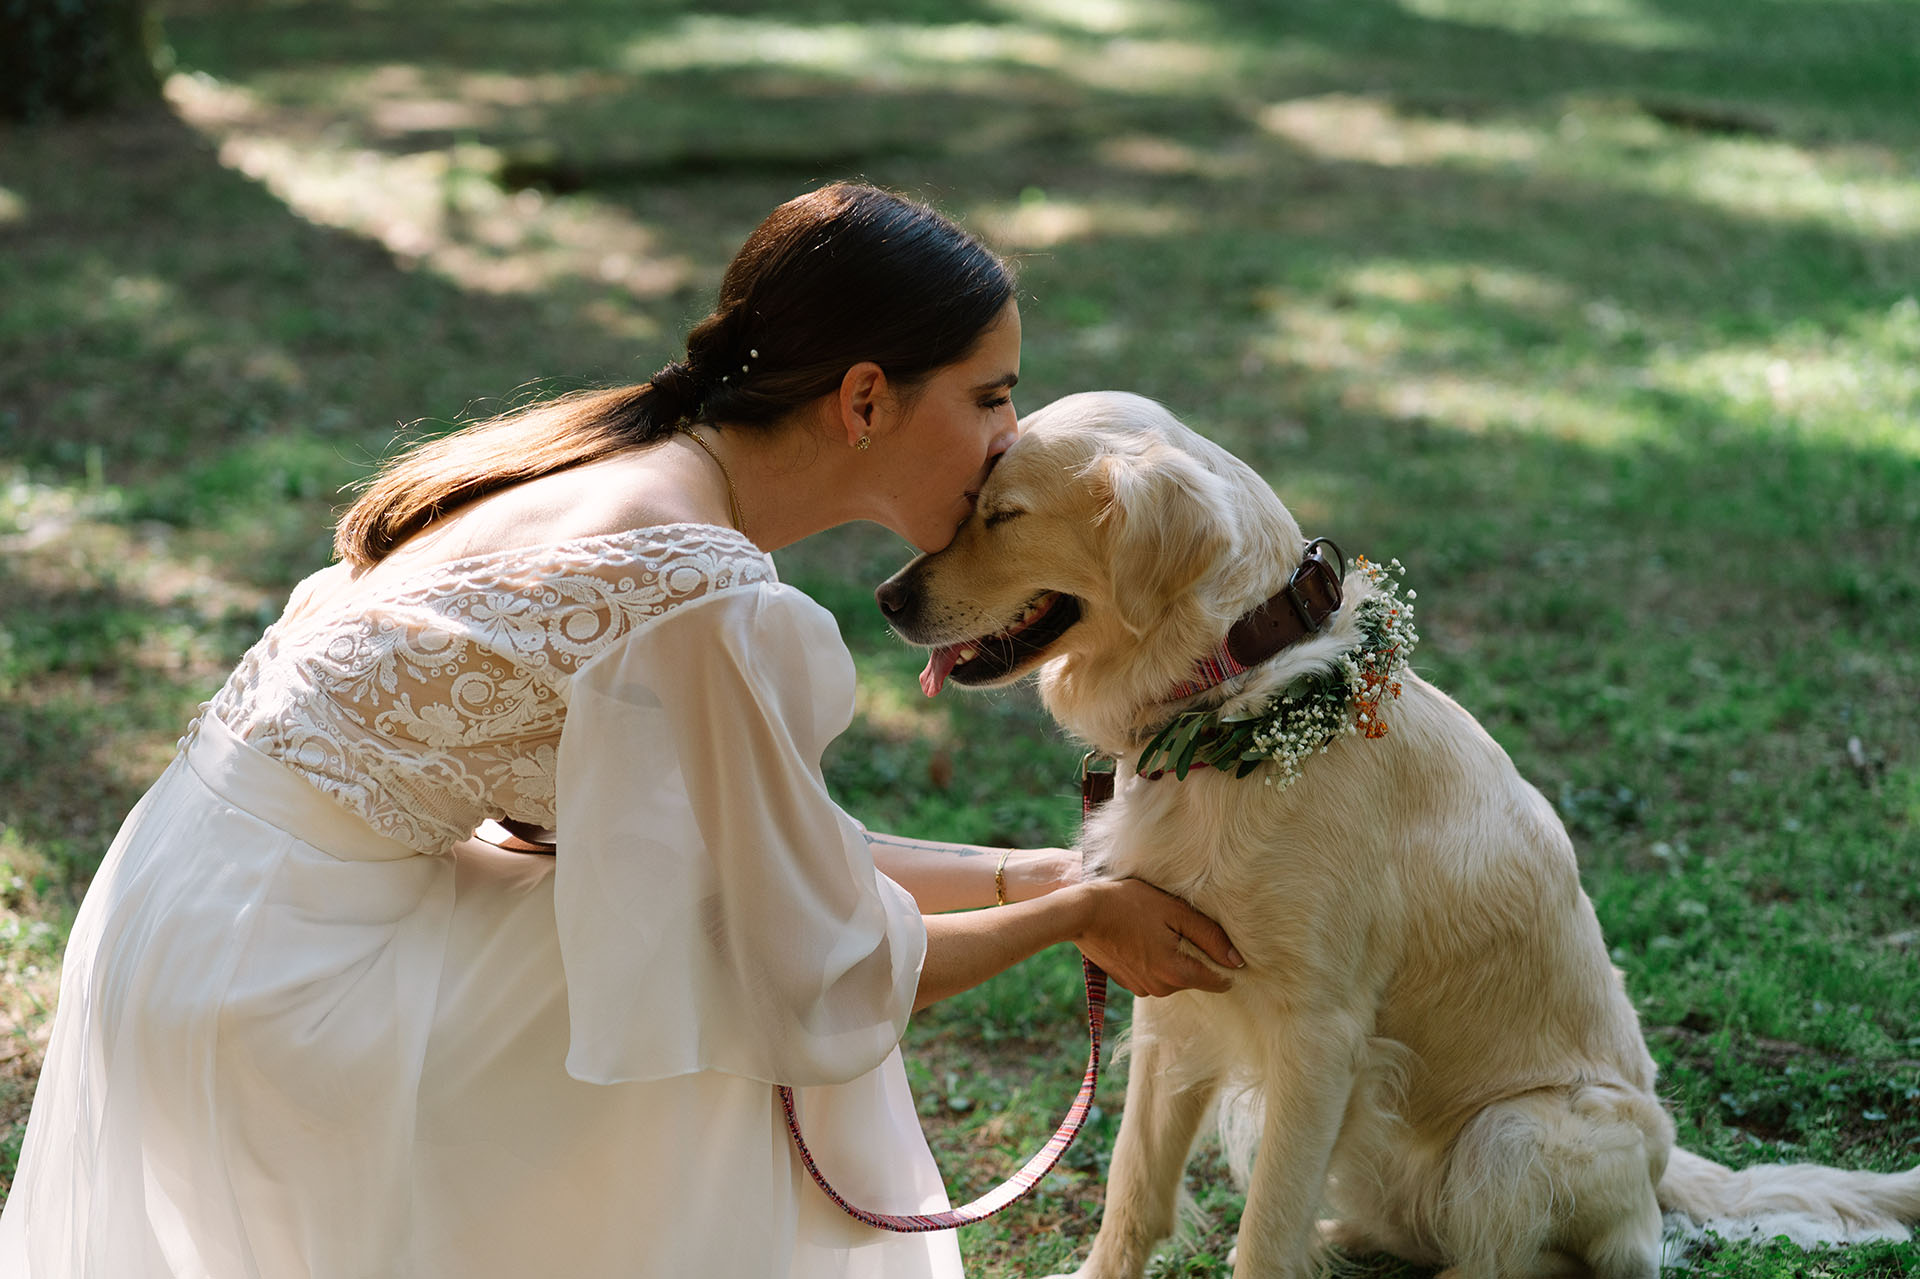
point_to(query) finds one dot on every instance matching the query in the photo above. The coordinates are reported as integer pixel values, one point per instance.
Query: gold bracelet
(1000, 879)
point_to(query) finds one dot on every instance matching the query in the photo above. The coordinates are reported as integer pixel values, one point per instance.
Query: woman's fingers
(1153, 943)
(1181, 974)
(1204, 977)
(1209, 938)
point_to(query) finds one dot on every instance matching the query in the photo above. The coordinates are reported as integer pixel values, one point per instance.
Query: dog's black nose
(892, 596)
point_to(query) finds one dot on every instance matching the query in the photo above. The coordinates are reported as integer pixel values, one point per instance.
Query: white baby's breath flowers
(1307, 716)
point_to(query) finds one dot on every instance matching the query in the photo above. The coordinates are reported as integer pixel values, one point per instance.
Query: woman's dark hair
(845, 274)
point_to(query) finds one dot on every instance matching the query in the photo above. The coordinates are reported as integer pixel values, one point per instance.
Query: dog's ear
(1167, 523)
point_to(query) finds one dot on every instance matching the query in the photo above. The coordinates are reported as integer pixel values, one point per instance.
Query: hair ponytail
(442, 475)
(832, 278)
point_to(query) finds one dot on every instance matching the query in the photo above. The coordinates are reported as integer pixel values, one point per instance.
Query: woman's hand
(1150, 941)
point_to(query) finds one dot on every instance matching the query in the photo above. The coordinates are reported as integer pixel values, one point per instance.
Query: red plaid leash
(1096, 787)
(1015, 1187)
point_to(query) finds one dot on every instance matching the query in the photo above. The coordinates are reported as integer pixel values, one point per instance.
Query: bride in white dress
(310, 1029)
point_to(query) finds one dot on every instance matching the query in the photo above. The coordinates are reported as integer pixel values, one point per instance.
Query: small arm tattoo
(928, 846)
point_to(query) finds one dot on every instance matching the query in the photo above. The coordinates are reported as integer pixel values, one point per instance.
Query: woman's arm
(1129, 928)
(945, 876)
(1148, 941)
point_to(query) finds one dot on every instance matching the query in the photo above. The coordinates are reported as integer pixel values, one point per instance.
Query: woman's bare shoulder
(623, 492)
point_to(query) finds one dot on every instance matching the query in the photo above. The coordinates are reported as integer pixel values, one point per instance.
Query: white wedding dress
(305, 1032)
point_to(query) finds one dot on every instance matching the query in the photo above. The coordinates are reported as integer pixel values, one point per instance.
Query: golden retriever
(1444, 1059)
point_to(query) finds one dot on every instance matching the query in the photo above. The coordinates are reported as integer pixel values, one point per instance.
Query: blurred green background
(1601, 315)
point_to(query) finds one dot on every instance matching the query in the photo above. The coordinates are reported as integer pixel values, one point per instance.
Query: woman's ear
(863, 396)
(1166, 521)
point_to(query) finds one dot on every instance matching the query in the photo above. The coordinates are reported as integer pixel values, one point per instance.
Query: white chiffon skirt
(289, 1048)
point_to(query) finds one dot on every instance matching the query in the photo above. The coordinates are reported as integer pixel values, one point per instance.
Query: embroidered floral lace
(440, 703)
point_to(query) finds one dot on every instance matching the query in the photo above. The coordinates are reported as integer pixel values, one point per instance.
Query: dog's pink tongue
(939, 664)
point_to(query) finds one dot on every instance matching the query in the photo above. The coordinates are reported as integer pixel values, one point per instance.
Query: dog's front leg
(1167, 1096)
(1311, 1067)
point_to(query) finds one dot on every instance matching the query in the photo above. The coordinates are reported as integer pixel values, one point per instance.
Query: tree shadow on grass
(724, 122)
(1798, 64)
(1853, 63)
(193, 341)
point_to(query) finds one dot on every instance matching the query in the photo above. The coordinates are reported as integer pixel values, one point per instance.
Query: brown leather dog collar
(1301, 608)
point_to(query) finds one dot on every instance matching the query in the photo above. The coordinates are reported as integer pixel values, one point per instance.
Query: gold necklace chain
(733, 498)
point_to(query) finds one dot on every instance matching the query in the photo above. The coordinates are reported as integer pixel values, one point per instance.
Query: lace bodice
(440, 703)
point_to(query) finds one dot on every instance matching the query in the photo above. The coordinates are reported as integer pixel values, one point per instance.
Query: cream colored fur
(1442, 1058)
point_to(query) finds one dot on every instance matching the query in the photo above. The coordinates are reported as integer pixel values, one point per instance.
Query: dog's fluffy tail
(1809, 1204)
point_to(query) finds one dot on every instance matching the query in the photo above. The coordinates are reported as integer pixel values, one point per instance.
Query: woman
(309, 1028)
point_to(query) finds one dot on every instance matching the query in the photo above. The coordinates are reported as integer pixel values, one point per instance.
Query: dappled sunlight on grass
(34, 515)
(1160, 156)
(1434, 342)
(59, 538)
(1404, 281)
(1370, 129)
(1324, 338)
(1632, 24)
(402, 99)
(1859, 189)
(1108, 17)
(1479, 404)
(436, 208)
(1812, 388)
(1040, 221)
(1426, 342)
(921, 55)
(110, 630)
(1386, 315)
(392, 101)
(1867, 192)
(1390, 368)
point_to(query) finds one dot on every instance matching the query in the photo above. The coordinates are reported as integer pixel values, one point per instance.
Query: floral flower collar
(1305, 716)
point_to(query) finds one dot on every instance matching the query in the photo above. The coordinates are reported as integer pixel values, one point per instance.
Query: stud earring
(863, 442)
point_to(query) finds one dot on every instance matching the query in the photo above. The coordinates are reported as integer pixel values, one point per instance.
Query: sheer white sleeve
(716, 909)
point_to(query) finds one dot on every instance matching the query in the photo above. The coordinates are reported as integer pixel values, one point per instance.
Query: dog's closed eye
(1002, 515)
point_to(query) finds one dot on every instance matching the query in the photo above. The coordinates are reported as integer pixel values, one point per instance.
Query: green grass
(1602, 317)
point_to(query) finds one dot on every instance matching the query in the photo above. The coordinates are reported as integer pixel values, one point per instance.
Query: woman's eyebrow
(1006, 382)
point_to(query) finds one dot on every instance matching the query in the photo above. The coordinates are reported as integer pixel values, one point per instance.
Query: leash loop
(1013, 1189)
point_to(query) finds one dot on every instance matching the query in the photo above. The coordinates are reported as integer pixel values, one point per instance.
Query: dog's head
(1111, 548)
